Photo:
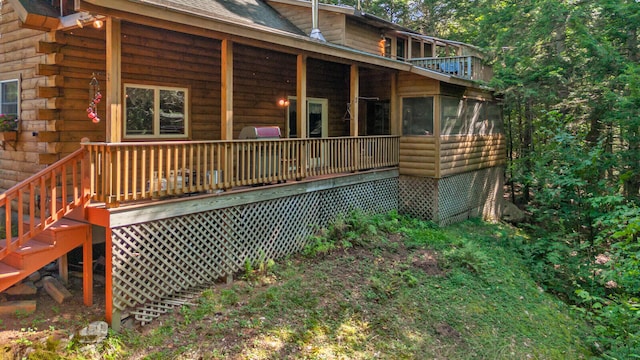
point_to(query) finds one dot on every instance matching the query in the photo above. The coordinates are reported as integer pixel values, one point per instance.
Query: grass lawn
(368, 288)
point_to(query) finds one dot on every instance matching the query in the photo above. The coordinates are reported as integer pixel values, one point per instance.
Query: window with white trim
(9, 98)
(155, 112)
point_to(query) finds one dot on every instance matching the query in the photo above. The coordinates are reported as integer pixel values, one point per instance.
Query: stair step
(33, 246)
(49, 235)
(7, 271)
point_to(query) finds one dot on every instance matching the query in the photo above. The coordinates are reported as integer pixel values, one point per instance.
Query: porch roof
(251, 12)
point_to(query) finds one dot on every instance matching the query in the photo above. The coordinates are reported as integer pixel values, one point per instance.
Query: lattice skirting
(156, 259)
(418, 197)
(454, 198)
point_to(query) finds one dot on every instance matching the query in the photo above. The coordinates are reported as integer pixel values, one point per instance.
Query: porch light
(283, 102)
(82, 19)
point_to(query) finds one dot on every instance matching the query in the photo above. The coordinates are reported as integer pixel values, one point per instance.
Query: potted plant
(8, 127)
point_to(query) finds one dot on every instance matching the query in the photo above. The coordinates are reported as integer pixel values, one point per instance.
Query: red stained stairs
(49, 245)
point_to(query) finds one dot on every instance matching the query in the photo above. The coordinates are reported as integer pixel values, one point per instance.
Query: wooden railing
(38, 202)
(149, 170)
(467, 67)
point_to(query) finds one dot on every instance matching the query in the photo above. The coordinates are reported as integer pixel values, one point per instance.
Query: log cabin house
(185, 138)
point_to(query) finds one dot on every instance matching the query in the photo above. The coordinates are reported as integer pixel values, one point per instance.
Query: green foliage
(258, 269)
(467, 255)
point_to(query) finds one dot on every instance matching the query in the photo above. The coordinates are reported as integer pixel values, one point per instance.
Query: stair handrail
(43, 197)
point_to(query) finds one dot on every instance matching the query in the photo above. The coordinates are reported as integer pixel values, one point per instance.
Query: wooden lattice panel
(451, 199)
(418, 197)
(469, 194)
(156, 259)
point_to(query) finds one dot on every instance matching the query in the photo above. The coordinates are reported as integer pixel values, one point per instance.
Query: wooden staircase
(44, 229)
(60, 238)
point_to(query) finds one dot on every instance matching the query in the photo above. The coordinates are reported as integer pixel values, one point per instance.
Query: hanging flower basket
(8, 123)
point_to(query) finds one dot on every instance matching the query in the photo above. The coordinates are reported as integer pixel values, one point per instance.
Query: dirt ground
(51, 318)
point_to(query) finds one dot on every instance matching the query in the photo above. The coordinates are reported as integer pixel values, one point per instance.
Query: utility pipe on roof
(315, 31)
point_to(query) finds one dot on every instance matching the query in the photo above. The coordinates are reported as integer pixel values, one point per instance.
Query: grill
(262, 162)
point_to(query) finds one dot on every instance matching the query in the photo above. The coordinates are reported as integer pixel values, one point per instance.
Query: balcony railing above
(466, 67)
(122, 172)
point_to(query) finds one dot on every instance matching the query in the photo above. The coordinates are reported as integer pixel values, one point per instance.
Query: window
(417, 116)
(472, 117)
(9, 98)
(401, 49)
(387, 47)
(155, 111)
(451, 116)
(494, 117)
(480, 118)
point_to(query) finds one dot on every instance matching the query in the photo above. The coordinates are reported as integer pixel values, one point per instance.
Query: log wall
(459, 154)
(19, 59)
(414, 85)
(418, 156)
(80, 53)
(362, 37)
(162, 57)
(261, 77)
(330, 81)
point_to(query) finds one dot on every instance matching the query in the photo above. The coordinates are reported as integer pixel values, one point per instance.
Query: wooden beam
(394, 111)
(178, 207)
(301, 96)
(46, 69)
(436, 131)
(114, 80)
(63, 268)
(45, 47)
(226, 89)
(111, 314)
(48, 92)
(87, 269)
(354, 90)
(47, 159)
(48, 136)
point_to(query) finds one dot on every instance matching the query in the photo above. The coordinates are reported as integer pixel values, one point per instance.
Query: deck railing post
(85, 180)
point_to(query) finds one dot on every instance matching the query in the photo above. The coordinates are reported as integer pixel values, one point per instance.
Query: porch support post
(87, 269)
(63, 268)
(301, 110)
(114, 81)
(354, 94)
(394, 107)
(226, 82)
(226, 107)
(394, 48)
(301, 95)
(112, 316)
(436, 132)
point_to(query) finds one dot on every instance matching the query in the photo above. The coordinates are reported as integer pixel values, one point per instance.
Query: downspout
(315, 31)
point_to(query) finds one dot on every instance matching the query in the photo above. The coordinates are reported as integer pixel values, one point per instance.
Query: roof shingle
(249, 12)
